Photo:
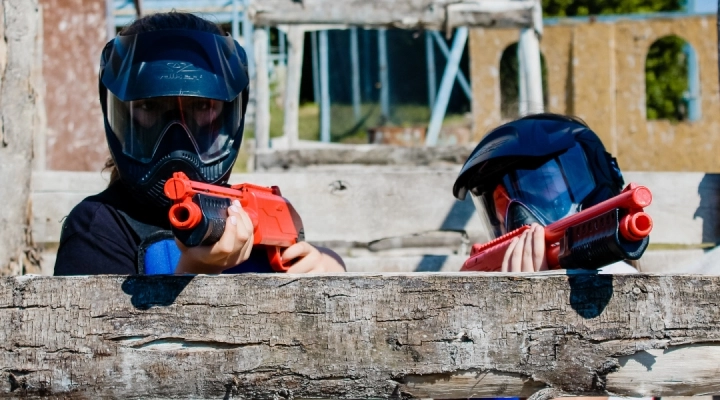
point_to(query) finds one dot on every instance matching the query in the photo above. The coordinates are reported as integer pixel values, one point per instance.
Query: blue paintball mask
(173, 101)
(538, 169)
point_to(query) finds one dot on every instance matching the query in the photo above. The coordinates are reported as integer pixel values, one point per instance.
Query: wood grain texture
(350, 206)
(19, 122)
(405, 14)
(359, 336)
(373, 203)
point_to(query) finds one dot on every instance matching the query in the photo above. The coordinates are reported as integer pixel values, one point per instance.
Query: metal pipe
(432, 78)
(315, 66)
(384, 75)
(462, 80)
(247, 33)
(446, 85)
(693, 92)
(355, 68)
(324, 89)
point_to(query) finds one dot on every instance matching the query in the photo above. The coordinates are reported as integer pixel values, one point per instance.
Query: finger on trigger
(516, 258)
(506, 258)
(527, 254)
(538, 249)
(299, 249)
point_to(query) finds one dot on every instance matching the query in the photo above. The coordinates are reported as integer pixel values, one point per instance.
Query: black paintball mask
(173, 101)
(538, 169)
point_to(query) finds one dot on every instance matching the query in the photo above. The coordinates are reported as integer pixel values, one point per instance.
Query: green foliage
(666, 79)
(568, 8)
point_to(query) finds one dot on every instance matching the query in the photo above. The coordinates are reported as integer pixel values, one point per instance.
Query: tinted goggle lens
(544, 194)
(141, 125)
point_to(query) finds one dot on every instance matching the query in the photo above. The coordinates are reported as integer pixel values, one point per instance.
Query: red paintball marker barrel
(634, 226)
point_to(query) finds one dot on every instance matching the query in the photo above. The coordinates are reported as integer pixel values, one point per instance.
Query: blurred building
(595, 69)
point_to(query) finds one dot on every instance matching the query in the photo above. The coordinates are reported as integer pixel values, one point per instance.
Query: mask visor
(544, 194)
(142, 125)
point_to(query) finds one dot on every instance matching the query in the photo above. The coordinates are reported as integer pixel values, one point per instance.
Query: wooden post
(40, 128)
(110, 19)
(404, 14)
(20, 26)
(296, 45)
(138, 8)
(262, 92)
(359, 336)
(235, 21)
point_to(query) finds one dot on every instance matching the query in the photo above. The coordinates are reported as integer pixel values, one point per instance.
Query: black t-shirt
(97, 238)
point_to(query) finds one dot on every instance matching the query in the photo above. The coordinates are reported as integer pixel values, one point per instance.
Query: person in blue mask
(535, 171)
(174, 91)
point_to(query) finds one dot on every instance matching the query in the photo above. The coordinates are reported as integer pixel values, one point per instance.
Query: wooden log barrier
(359, 335)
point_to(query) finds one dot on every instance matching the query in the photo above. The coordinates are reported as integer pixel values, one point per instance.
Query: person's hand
(526, 252)
(306, 258)
(232, 249)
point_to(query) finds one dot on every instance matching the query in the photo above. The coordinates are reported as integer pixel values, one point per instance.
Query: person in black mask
(534, 171)
(173, 90)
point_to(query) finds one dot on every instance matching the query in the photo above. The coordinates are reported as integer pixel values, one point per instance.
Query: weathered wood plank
(20, 121)
(358, 336)
(342, 155)
(351, 206)
(405, 14)
(366, 204)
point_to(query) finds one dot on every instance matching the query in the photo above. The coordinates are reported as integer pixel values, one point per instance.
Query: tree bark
(19, 86)
(359, 336)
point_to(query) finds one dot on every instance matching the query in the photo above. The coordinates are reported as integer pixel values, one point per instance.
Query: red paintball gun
(614, 230)
(200, 210)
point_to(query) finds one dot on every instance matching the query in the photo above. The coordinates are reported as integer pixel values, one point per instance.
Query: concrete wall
(597, 72)
(74, 35)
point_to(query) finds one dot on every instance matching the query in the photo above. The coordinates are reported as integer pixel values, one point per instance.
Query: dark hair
(548, 115)
(171, 20)
(159, 22)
